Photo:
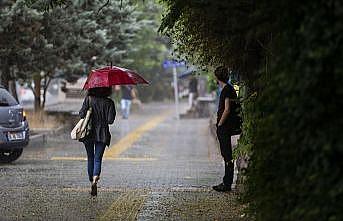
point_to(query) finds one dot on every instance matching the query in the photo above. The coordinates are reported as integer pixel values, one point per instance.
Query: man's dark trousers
(224, 139)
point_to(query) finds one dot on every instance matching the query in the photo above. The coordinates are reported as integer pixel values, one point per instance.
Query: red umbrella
(108, 76)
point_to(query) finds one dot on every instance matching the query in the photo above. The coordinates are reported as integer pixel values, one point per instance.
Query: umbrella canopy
(109, 76)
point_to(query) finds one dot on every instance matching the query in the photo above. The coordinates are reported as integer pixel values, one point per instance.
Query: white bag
(83, 127)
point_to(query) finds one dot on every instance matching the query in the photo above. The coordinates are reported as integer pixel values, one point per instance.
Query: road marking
(86, 189)
(132, 158)
(126, 142)
(108, 158)
(126, 206)
(69, 158)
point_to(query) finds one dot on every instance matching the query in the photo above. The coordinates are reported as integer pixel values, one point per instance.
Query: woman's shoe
(96, 179)
(94, 187)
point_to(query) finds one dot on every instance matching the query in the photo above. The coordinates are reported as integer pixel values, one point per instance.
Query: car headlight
(24, 116)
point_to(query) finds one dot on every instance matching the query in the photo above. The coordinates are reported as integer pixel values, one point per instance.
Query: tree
(62, 40)
(213, 32)
(18, 33)
(147, 52)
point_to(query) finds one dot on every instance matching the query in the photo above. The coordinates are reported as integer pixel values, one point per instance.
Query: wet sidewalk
(157, 168)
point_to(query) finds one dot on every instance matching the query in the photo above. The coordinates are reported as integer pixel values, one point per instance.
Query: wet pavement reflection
(157, 168)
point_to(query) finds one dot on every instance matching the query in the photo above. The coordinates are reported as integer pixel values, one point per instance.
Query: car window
(6, 99)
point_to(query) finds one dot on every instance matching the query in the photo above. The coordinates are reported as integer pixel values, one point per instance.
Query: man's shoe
(222, 188)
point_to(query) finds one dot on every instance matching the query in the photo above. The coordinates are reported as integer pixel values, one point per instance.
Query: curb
(41, 137)
(38, 139)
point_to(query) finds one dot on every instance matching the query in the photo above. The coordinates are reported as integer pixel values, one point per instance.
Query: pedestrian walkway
(157, 168)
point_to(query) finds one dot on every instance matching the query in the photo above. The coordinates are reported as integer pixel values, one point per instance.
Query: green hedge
(289, 55)
(295, 171)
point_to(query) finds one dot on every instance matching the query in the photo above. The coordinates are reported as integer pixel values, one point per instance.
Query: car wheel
(7, 156)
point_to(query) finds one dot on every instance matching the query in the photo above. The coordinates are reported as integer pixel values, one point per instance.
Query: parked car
(14, 128)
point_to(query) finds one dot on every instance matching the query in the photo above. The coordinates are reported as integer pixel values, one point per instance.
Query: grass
(40, 120)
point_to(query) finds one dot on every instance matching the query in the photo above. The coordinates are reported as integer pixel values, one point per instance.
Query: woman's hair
(222, 74)
(100, 91)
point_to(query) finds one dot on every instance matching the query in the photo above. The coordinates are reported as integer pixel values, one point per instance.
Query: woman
(103, 114)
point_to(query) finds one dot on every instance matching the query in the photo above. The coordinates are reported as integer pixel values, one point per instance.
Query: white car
(25, 95)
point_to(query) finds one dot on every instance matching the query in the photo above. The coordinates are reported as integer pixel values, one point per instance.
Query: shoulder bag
(83, 127)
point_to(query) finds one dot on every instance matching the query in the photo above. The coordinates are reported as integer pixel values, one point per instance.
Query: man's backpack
(236, 121)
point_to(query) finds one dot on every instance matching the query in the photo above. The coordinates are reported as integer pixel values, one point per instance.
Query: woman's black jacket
(103, 114)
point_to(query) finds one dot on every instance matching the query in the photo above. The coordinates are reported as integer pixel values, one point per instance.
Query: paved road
(157, 168)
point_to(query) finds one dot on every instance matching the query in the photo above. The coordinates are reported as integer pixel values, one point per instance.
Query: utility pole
(174, 64)
(176, 93)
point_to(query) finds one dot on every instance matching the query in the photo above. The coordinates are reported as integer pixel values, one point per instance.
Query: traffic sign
(172, 63)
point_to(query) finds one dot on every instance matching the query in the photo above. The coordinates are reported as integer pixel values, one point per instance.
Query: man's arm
(226, 112)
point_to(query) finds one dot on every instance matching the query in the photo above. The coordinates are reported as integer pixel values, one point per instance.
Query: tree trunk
(47, 81)
(13, 89)
(4, 77)
(12, 86)
(37, 81)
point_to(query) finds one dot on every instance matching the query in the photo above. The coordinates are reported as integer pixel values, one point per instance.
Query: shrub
(295, 170)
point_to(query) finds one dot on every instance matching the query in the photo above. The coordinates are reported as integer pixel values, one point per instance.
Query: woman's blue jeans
(95, 151)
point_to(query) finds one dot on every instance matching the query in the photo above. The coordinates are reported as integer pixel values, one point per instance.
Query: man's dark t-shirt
(193, 85)
(126, 92)
(227, 92)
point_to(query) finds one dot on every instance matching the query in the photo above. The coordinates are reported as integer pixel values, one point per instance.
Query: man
(226, 111)
(193, 91)
(126, 99)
